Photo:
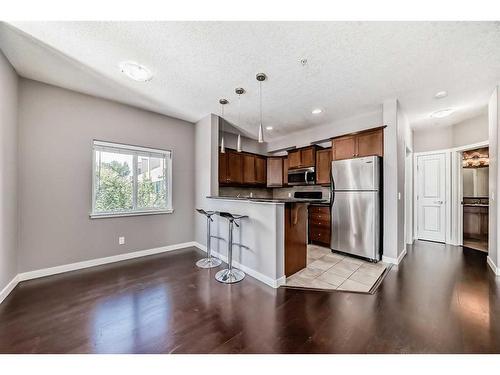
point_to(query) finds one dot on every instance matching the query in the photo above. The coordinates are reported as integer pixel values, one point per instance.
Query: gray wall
(473, 130)
(56, 129)
(8, 172)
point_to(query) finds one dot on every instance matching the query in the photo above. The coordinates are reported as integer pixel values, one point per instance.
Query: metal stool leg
(230, 275)
(209, 261)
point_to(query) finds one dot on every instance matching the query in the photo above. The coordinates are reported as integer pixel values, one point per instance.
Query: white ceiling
(352, 66)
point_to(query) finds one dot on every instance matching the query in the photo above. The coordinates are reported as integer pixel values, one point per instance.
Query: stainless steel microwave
(302, 176)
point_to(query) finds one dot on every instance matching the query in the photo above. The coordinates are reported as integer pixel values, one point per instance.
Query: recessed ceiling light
(269, 128)
(136, 71)
(441, 94)
(442, 113)
(316, 111)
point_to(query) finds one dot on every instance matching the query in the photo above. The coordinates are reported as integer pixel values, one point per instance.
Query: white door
(431, 197)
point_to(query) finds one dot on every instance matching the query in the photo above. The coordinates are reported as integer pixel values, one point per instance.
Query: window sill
(125, 214)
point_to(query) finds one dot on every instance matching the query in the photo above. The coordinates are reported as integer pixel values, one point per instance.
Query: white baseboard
(257, 275)
(8, 288)
(395, 261)
(494, 268)
(99, 261)
(86, 264)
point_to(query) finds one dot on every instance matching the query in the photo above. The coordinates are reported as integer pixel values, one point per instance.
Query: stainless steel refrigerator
(356, 207)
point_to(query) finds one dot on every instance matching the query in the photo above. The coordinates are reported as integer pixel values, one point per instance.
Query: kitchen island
(271, 243)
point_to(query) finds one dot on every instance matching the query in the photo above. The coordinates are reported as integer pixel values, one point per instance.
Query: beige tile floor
(327, 270)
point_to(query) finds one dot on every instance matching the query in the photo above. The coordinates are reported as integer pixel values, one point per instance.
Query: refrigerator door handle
(332, 189)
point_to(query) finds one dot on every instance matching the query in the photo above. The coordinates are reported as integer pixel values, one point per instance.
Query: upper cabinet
(285, 171)
(275, 171)
(323, 162)
(241, 168)
(367, 143)
(302, 158)
(294, 159)
(260, 170)
(234, 167)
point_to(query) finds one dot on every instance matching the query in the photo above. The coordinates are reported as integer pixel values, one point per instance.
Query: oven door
(302, 176)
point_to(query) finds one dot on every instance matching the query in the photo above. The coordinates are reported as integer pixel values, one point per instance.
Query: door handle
(438, 202)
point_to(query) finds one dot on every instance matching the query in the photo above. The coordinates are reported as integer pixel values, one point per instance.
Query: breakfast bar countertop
(273, 200)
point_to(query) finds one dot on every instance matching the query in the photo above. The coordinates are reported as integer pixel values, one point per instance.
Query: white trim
(105, 215)
(448, 193)
(8, 288)
(134, 151)
(397, 260)
(458, 148)
(257, 275)
(494, 268)
(114, 145)
(99, 261)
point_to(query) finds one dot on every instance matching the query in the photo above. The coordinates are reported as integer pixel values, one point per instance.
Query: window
(130, 180)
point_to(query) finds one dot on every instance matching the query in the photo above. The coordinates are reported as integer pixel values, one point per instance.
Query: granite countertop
(272, 200)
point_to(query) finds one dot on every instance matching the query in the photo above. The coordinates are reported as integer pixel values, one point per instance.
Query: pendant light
(261, 77)
(240, 91)
(222, 102)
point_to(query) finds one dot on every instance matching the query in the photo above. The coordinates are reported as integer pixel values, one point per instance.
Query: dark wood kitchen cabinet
(275, 171)
(319, 225)
(230, 168)
(323, 163)
(241, 169)
(302, 158)
(366, 143)
(370, 143)
(234, 167)
(248, 169)
(344, 147)
(294, 159)
(475, 222)
(222, 168)
(260, 170)
(285, 171)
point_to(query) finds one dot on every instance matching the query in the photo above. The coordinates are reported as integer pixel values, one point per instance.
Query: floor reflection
(126, 322)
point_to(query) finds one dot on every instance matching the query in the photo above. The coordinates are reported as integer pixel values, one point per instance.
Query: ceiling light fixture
(222, 102)
(316, 111)
(260, 77)
(240, 91)
(441, 94)
(136, 71)
(442, 113)
(269, 128)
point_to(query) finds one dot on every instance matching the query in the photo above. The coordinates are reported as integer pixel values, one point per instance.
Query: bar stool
(209, 261)
(230, 275)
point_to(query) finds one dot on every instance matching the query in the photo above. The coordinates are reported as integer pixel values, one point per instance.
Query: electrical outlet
(121, 240)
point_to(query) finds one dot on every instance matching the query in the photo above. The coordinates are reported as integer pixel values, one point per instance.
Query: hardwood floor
(441, 299)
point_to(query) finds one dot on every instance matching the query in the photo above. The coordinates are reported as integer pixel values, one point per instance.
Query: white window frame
(135, 151)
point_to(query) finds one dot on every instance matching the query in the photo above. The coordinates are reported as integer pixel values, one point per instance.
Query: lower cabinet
(319, 225)
(475, 222)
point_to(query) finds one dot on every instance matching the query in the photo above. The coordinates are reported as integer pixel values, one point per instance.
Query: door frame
(457, 192)
(447, 169)
(453, 180)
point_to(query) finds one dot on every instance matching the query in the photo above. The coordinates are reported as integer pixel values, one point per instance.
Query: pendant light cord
(239, 109)
(260, 99)
(222, 117)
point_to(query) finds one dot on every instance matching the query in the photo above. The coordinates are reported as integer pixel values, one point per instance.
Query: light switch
(121, 240)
